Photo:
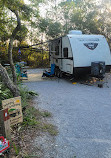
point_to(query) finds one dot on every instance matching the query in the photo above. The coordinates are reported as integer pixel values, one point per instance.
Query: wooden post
(5, 124)
(2, 126)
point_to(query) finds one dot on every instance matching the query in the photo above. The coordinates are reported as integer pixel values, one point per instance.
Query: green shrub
(50, 129)
(29, 117)
(46, 114)
(4, 93)
(25, 94)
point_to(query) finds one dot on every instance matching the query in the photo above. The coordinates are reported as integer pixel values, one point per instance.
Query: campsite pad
(35, 75)
(93, 81)
(82, 114)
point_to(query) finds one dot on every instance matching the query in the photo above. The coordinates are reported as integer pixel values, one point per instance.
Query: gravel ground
(82, 114)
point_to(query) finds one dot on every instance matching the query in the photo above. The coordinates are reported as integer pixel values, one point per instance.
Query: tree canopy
(90, 16)
(12, 13)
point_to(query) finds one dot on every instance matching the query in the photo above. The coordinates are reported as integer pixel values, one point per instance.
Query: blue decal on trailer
(91, 46)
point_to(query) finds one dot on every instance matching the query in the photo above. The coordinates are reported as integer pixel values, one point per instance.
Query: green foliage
(82, 16)
(30, 121)
(50, 128)
(36, 59)
(32, 93)
(29, 117)
(32, 117)
(4, 93)
(8, 20)
(3, 23)
(16, 149)
(43, 24)
(46, 114)
(25, 94)
(29, 112)
(88, 16)
(20, 36)
(52, 29)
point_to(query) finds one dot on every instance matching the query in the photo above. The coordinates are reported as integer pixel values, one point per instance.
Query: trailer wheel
(59, 74)
(56, 72)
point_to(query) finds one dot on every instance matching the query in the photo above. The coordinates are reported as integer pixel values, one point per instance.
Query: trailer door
(67, 60)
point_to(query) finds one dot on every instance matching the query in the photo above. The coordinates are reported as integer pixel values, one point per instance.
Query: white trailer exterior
(75, 52)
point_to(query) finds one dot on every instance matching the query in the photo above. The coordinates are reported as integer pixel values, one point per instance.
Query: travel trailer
(75, 53)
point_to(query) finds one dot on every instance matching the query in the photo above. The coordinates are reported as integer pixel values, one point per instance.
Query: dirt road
(82, 114)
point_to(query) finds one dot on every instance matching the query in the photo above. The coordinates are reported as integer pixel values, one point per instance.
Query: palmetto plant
(4, 93)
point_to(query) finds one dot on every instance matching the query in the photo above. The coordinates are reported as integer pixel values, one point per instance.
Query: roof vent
(75, 32)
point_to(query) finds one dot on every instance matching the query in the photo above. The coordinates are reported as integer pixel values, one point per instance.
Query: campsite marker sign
(14, 111)
(10, 115)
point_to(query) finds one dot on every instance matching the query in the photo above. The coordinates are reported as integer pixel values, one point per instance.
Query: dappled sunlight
(35, 77)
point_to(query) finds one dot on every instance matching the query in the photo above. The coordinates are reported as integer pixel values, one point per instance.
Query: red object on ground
(4, 146)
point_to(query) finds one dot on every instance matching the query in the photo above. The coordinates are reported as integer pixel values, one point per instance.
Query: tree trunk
(11, 60)
(5, 77)
(7, 81)
(10, 48)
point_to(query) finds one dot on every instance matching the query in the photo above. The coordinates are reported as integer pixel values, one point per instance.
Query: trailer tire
(56, 72)
(59, 74)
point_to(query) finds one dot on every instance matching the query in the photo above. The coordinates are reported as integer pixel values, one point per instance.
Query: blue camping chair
(20, 71)
(51, 73)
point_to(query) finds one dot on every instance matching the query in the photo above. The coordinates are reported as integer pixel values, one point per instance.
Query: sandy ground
(82, 114)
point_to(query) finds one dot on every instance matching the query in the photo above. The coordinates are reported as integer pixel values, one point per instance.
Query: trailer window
(57, 50)
(65, 51)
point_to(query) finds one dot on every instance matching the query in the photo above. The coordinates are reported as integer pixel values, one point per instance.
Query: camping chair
(20, 71)
(51, 73)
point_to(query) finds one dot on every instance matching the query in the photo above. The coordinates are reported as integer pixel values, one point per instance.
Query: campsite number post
(4, 123)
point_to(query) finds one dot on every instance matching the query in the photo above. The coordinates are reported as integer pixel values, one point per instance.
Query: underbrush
(4, 93)
(33, 120)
